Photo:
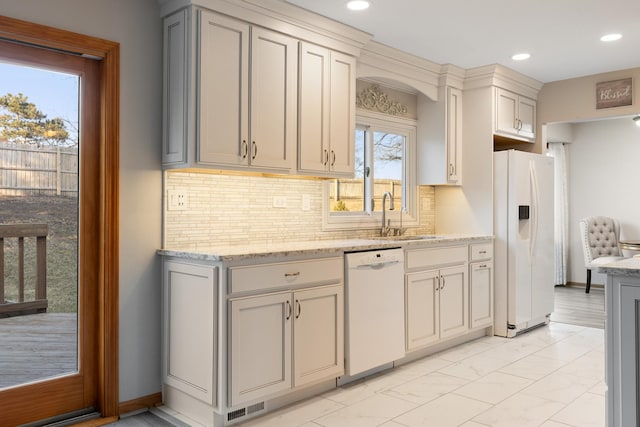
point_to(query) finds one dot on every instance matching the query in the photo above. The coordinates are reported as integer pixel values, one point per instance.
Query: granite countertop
(624, 267)
(220, 253)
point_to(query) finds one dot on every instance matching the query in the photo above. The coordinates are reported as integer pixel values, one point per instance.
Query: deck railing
(39, 303)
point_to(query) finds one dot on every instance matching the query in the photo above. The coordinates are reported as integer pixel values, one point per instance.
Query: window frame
(369, 219)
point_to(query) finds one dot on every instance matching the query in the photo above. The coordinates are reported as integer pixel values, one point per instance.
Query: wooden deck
(37, 346)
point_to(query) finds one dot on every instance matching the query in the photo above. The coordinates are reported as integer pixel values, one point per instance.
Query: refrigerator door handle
(535, 202)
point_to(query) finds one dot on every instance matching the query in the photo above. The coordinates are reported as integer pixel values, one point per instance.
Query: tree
(22, 122)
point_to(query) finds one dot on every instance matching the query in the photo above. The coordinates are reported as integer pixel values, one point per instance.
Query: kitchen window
(384, 148)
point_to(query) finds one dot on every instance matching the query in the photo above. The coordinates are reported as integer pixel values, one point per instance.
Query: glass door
(49, 256)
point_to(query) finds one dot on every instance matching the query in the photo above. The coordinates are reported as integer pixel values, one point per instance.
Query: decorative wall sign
(372, 98)
(615, 93)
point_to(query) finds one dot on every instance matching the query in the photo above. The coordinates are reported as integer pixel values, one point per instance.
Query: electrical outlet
(279, 202)
(177, 200)
(306, 202)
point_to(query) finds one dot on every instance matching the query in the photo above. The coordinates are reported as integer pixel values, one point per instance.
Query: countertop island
(625, 267)
(622, 328)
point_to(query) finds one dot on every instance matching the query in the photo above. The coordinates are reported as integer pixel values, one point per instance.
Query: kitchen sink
(422, 237)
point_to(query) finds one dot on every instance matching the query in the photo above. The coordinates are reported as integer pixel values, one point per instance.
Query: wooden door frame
(108, 263)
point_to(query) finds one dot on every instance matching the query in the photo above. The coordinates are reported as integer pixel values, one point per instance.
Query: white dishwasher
(374, 330)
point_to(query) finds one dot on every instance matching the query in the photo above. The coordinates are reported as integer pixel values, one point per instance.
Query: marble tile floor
(552, 376)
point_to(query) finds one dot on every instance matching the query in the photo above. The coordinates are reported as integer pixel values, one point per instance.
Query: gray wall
(136, 25)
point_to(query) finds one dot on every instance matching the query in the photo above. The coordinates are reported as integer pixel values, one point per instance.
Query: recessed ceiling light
(358, 4)
(611, 37)
(520, 56)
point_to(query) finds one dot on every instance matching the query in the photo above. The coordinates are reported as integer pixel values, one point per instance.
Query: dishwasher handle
(378, 265)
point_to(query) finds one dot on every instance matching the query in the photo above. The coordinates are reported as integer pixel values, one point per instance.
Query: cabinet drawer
(432, 257)
(481, 251)
(285, 275)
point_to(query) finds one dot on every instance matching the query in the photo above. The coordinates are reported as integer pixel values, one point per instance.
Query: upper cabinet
(440, 138)
(326, 112)
(515, 116)
(243, 80)
(238, 96)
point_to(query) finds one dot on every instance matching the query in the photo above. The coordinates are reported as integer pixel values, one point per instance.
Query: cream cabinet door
(260, 346)
(506, 112)
(223, 90)
(313, 142)
(454, 135)
(189, 313)
(527, 117)
(454, 301)
(326, 112)
(481, 294)
(175, 65)
(342, 110)
(422, 309)
(318, 334)
(274, 88)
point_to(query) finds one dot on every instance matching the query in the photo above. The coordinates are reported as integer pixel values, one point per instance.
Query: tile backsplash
(239, 209)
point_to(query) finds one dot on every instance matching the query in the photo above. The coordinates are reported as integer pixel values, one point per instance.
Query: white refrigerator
(524, 247)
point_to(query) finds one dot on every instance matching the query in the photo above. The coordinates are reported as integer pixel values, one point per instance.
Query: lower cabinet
(269, 332)
(436, 305)
(189, 307)
(481, 294)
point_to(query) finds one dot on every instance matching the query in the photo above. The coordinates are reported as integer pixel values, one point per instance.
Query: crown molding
(501, 76)
(283, 17)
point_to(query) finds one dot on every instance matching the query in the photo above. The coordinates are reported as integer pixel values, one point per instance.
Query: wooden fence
(29, 170)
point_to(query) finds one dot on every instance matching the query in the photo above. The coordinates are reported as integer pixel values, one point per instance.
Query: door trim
(108, 281)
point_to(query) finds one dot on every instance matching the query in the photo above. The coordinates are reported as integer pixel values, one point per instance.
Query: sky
(53, 93)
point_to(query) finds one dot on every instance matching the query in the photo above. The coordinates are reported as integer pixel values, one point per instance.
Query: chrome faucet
(384, 231)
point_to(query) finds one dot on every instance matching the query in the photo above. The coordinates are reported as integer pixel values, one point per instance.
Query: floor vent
(255, 408)
(238, 413)
(242, 412)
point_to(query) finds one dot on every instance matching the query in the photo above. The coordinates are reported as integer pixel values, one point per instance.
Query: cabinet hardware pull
(299, 309)
(245, 149)
(451, 169)
(442, 286)
(438, 285)
(326, 157)
(333, 157)
(482, 252)
(255, 150)
(289, 309)
(482, 266)
(297, 273)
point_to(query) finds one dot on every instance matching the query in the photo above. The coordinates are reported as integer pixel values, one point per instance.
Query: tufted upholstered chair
(600, 242)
